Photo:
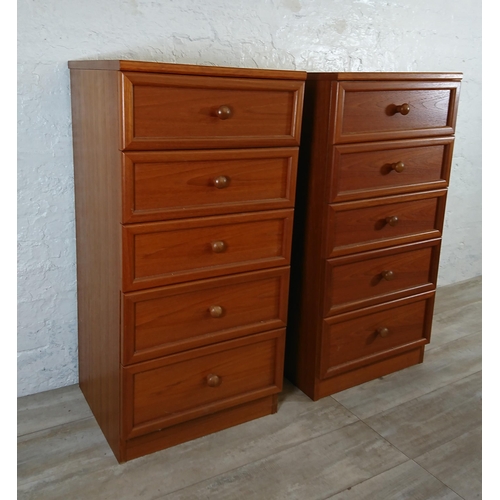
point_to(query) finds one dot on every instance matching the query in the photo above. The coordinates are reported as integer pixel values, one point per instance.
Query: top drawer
(370, 111)
(185, 112)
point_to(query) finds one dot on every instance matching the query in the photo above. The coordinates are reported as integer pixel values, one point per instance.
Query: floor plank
(455, 323)
(459, 294)
(312, 470)
(52, 408)
(457, 464)
(407, 480)
(425, 423)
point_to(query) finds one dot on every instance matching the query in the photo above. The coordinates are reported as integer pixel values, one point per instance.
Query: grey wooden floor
(415, 434)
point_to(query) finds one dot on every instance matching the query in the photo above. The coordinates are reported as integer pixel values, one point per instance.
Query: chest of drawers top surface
(186, 69)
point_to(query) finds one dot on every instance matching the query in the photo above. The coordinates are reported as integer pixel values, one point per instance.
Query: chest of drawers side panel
(96, 117)
(307, 270)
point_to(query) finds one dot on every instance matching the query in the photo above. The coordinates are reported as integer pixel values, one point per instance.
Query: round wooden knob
(218, 246)
(398, 167)
(404, 109)
(221, 182)
(224, 112)
(216, 311)
(213, 380)
(392, 221)
(383, 331)
(388, 275)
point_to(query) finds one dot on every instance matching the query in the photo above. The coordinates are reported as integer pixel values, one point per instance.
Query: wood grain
(187, 69)
(167, 234)
(363, 225)
(352, 341)
(174, 389)
(161, 185)
(162, 253)
(365, 170)
(180, 112)
(355, 206)
(171, 319)
(357, 280)
(95, 115)
(366, 110)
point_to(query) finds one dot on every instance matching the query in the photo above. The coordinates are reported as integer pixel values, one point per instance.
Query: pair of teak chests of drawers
(189, 189)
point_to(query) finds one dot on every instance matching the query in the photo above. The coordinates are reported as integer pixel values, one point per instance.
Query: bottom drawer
(177, 388)
(365, 336)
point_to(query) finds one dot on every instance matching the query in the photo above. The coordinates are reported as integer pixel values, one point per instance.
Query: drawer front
(374, 277)
(188, 385)
(395, 110)
(180, 317)
(383, 168)
(352, 340)
(163, 253)
(176, 112)
(379, 223)
(161, 185)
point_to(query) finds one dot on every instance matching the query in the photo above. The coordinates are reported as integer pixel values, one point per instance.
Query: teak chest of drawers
(374, 167)
(185, 181)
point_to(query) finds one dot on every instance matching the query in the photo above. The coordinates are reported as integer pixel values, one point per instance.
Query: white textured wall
(314, 35)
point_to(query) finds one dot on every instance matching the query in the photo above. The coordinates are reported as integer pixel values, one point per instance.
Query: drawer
(352, 340)
(383, 168)
(184, 112)
(394, 110)
(167, 185)
(374, 277)
(179, 317)
(177, 388)
(382, 222)
(163, 253)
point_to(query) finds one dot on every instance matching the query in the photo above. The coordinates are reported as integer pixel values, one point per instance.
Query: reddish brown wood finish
(365, 225)
(160, 185)
(353, 340)
(187, 69)
(357, 280)
(173, 389)
(161, 200)
(366, 111)
(182, 112)
(171, 319)
(95, 112)
(368, 170)
(201, 426)
(374, 167)
(162, 253)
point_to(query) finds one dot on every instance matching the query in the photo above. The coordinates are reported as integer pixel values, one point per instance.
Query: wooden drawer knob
(388, 275)
(224, 112)
(218, 246)
(404, 109)
(213, 380)
(392, 221)
(216, 311)
(221, 182)
(383, 331)
(398, 167)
